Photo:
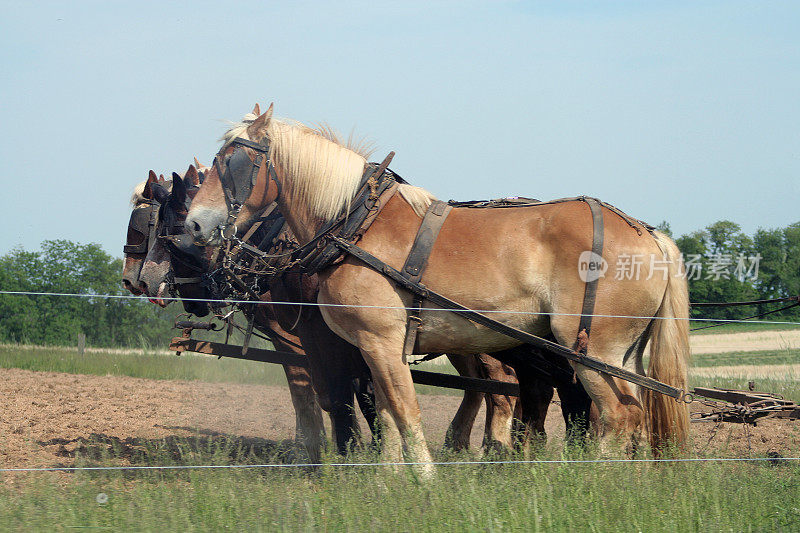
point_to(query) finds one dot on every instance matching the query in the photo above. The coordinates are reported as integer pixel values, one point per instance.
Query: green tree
(65, 267)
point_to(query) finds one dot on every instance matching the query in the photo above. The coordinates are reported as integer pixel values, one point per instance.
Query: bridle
(378, 185)
(179, 244)
(239, 178)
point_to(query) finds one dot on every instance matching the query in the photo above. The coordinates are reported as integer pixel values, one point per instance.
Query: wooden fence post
(81, 343)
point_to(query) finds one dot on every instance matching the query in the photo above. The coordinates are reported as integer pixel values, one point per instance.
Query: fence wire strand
(387, 464)
(362, 306)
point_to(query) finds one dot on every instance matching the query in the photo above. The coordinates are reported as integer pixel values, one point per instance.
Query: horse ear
(197, 163)
(147, 192)
(178, 195)
(191, 179)
(160, 193)
(258, 128)
(256, 110)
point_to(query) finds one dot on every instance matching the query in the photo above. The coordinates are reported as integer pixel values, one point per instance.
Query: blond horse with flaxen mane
(520, 264)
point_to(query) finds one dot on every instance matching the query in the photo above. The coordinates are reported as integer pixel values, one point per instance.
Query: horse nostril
(196, 227)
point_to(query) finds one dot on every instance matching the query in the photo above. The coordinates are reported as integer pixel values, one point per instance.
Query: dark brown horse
(143, 229)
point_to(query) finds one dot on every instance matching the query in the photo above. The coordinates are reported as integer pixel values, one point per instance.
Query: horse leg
(576, 409)
(621, 414)
(343, 420)
(329, 360)
(499, 408)
(458, 433)
(310, 430)
(365, 396)
(397, 400)
(391, 443)
(536, 393)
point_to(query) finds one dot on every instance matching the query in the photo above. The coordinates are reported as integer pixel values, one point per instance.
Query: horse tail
(667, 420)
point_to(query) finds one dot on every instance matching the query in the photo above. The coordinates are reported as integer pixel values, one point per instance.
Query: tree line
(731, 266)
(62, 266)
(723, 264)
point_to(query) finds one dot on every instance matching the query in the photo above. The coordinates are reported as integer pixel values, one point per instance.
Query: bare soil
(48, 418)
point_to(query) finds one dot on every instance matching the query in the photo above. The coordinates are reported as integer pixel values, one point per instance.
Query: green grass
(560, 497)
(789, 389)
(556, 497)
(761, 357)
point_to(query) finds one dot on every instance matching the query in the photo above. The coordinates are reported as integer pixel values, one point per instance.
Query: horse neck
(316, 175)
(300, 217)
(301, 221)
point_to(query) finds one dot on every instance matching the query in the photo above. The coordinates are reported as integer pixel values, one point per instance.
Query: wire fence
(403, 308)
(771, 460)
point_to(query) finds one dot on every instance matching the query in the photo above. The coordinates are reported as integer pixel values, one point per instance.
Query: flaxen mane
(326, 172)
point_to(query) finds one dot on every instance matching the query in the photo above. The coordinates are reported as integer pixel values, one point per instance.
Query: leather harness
(339, 238)
(590, 292)
(240, 175)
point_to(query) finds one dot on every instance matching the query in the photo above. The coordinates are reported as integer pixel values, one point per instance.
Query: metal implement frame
(744, 406)
(437, 379)
(727, 405)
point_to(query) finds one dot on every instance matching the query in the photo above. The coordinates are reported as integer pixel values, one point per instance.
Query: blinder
(143, 221)
(239, 177)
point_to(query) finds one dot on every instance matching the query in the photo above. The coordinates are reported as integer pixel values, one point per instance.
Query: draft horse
(500, 409)
(172, 259)
(521, 264)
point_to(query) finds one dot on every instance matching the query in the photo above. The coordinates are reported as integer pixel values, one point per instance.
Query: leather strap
(416, 262)
(590, 292)
(428, 230)
(520, 335)
(378, 186)
(147, 228)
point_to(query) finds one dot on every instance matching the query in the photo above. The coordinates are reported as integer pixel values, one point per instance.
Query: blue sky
(679, 111)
